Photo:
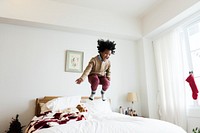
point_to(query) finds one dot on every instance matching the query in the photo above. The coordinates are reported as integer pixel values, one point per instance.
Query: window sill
(193, 111)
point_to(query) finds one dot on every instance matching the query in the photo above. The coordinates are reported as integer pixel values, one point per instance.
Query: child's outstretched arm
(86, 72)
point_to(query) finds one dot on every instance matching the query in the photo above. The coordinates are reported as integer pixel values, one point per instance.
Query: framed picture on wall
(74, 61)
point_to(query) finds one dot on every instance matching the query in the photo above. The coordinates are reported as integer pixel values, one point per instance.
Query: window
(193, 33)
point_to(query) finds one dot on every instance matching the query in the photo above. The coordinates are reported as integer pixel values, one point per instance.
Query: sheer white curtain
(171, 80)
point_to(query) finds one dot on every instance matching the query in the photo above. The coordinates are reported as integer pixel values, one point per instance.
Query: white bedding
(99, 118)
(112, 122)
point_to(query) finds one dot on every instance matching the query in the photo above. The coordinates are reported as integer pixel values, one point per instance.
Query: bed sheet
(114, 123)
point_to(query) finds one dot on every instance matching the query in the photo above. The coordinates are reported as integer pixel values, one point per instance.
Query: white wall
(148, 80)
(32, 65)
(143, 83)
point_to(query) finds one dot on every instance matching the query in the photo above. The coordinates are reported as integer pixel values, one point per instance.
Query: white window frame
(191, 102)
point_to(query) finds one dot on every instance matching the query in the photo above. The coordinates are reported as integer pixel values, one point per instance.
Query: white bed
(100, 119)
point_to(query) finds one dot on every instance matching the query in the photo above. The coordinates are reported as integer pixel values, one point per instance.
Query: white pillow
(98, 106)
(70, 110)
(62, 103)
(44, 108)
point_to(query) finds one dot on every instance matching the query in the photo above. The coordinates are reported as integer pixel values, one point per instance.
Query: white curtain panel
(171, 80)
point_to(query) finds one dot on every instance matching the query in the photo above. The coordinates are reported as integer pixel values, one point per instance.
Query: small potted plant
(196, 130)
(15, 126)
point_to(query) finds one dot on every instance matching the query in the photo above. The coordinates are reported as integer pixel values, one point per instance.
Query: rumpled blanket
(49, 119)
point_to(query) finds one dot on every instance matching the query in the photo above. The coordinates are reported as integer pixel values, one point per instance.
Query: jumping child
(98, 69)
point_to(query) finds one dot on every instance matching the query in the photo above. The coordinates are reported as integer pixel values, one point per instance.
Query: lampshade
(131, 97)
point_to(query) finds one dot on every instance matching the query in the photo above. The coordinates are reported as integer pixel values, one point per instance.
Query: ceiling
(133, 8)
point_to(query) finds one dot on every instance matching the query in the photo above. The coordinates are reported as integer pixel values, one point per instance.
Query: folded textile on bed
(49, 119)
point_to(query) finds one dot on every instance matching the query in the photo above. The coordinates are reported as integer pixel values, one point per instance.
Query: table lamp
(131, 97)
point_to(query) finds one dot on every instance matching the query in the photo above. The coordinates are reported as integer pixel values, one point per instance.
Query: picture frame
(74, 61)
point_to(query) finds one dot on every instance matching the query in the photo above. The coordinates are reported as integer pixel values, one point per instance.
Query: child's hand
(79, 80)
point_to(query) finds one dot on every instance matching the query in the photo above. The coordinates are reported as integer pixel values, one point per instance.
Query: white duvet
(114, 123)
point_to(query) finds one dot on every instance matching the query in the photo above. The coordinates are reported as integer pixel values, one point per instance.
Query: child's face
(105, 54)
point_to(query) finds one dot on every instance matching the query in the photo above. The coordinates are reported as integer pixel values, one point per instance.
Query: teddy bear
(81, 108)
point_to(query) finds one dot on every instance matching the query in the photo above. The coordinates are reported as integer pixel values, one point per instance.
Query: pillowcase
(98, 106)
(70, 110)
(44, 108)
(61, 103)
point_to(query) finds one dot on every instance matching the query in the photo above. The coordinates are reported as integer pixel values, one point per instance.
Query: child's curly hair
(103, 45)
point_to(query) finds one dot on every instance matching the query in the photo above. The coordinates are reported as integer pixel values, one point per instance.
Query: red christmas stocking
(190, 80)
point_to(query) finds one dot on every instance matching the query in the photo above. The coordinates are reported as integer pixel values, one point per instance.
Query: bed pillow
(98, 106)
(62, 103)
(44, 108)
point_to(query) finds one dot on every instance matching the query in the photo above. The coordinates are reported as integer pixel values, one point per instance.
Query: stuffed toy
(81, 108)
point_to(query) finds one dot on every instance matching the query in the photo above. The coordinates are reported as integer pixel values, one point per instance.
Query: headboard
(48, 98)
(42, 100)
